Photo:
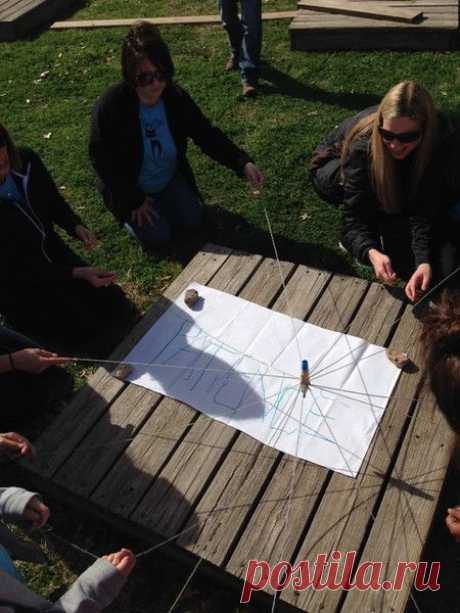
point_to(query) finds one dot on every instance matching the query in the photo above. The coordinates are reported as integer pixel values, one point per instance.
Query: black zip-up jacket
(27, 236)
(361, 211)
(116, 146)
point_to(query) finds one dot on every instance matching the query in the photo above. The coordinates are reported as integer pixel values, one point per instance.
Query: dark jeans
(244, 36)
(69, 316)
(22, 394)
(178, 206)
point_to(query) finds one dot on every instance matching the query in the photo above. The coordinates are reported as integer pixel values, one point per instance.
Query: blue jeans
(178, 205)
(244, 36)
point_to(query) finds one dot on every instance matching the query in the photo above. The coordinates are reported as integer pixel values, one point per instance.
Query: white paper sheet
(240, 363)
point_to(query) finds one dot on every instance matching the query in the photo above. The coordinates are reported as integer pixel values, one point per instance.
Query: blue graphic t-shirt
(160, 154)
(9, 190)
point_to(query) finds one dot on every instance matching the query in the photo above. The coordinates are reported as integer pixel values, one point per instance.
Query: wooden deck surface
(20, 18)
(159, 466)
(438, 29)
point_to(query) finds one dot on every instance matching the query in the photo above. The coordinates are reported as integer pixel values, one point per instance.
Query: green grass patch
(120, 9)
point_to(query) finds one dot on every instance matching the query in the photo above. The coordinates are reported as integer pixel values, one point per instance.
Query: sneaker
(249, 91)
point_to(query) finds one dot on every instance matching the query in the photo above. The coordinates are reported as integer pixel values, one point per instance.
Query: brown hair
(13, 154)
(144, 41)
(441, 338)
(406, 99)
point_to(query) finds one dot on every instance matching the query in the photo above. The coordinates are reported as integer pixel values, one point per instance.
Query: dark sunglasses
(148, 77)
(402, 137)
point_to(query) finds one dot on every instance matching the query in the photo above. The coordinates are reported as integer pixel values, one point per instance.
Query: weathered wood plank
(368, 11)
(342, 518)
(198, 456)
(405, 515)
(87, 407)
(7, 4)
(231, 495)
(29, 16)
(7, 7)
(107, 440)
(233, 489)
(310, 19)
(271, 535)
(133, 473)
(20, 8)
(338, 302)
(160, 21)
(319, 36)
(131, 476)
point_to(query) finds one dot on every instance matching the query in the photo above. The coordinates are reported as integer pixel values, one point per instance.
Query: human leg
(228, 10)
(251, 21)
(180, 204)
(151, 235)
(326, 181)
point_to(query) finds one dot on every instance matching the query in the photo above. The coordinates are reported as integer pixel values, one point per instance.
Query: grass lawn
(48, 86)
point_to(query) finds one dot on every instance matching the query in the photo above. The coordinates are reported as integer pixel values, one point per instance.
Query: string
(377, 422)
(159, 365)
(252, 374)
(398, 319)
(285, 292)
(173, 606)
(51, 532)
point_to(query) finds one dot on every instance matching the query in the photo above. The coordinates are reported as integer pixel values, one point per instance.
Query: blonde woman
(377, 166)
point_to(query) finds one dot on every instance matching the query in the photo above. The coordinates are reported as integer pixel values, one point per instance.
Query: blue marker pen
(304, 377)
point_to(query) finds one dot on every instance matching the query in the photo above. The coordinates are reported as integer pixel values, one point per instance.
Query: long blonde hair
(406, 99)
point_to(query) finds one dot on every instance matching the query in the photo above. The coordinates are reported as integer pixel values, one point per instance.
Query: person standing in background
(245, 40)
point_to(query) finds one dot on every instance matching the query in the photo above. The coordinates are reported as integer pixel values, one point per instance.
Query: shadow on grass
(229, 229)
(47, 14)
(282, 83)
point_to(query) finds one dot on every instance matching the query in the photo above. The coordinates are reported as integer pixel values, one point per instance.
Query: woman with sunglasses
(46, 290)
(138, 143)
(377, 166)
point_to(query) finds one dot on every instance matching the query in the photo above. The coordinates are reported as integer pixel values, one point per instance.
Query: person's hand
(419, 282)
(453, 522)
(124, 561)
(145, 214)
(36, 512)
(88, 239)
(15, 446)
(35, 360)
(254, 176)
(95, 276)
(381, 264)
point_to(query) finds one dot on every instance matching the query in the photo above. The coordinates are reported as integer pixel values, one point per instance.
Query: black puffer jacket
(116, 147)
(361, 212)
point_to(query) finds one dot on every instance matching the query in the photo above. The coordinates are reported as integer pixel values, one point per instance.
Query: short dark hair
(13, 154)
(144, 41)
